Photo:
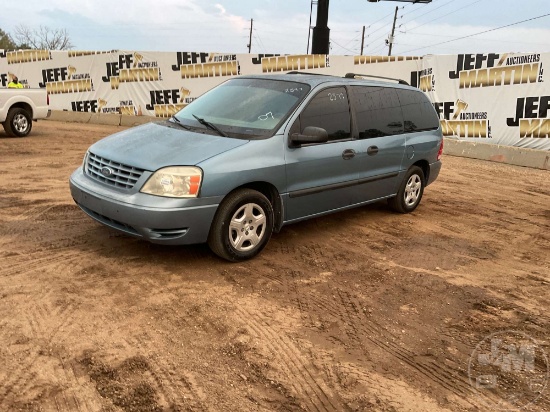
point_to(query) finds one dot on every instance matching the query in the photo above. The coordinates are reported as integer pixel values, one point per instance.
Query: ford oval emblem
(107, 171)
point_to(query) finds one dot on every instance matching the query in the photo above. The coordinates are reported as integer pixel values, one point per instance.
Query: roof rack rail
(314, 74)
(354, 75)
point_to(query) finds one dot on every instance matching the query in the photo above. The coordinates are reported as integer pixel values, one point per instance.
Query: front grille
(122, 175)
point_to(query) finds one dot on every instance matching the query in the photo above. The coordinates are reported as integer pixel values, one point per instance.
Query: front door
(323, 177)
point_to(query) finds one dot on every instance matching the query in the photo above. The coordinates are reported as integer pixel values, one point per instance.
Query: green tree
(6, 42)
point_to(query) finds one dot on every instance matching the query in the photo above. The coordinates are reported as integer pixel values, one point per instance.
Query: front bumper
(153, 218)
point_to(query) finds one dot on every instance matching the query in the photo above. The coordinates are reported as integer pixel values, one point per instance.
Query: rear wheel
(242, 226)
(410, 192)
(18, 122)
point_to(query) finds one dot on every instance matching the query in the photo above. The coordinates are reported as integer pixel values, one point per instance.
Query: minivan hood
(154, 145)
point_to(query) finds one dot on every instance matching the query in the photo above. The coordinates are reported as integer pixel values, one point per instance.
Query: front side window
(378, 111)
(329, 109)
(245, 108)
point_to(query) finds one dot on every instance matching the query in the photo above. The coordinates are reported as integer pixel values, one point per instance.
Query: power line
(261, 43)
(481, 32)
(428, 12)
(339, 45)
(382, 27)
(440, 17)
(258, 42)
(415, 10)
(374, 40)
(378, 49)
(379, 20)
(378, 29)
(355, 38)
(482, 39)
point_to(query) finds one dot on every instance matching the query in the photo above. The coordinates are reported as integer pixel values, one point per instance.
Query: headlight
(176, 181)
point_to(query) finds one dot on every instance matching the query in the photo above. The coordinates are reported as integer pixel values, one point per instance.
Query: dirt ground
(361, 310)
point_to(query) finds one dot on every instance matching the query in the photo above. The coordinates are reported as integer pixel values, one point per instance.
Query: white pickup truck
(19, 107)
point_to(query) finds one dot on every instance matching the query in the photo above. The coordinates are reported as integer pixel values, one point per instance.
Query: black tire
(410, 192)
(18, 122)
(243, 239)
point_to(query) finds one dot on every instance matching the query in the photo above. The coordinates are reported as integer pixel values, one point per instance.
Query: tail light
(440, 150)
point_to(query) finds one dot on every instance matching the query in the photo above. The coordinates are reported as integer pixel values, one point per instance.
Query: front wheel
(242, 226)
(18, 122)
(410, 192)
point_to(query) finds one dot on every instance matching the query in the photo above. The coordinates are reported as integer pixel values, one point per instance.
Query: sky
(281, 26)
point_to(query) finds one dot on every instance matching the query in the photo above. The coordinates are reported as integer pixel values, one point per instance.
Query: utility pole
(321, 32)
(309, 30)
(393, 30)
(249, 45)
(362, 40)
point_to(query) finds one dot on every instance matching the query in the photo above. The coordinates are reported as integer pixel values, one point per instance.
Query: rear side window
(329, 109)
(378, 111)
(418, 112)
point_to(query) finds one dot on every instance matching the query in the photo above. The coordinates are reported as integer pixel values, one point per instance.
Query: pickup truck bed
(19, 107)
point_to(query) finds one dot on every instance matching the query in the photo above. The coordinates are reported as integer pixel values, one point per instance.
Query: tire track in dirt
(275, 278)
(42, 218)
(66, 400)
(397, 394)
(374, 332)
(296, 296)
(178, 387)
(332, 307)
(300, 373)
(42, 264)
(46, 339)
(33, 212)
(21, 378)
(70, 395)
(26, 227)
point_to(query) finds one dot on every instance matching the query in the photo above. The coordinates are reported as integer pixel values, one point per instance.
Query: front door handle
(348, 154)
(372, 150)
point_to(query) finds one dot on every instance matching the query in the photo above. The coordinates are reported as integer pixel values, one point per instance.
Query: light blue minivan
(259, 152)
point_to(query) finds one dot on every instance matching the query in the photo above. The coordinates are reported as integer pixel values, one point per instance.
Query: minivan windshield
(244, 108)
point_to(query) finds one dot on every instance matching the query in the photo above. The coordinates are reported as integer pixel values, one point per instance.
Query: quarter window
(329, 109)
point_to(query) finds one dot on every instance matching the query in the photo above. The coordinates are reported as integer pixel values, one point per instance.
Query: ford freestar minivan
(259, 152)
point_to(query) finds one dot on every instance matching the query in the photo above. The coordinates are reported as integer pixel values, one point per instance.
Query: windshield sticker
(266, 116)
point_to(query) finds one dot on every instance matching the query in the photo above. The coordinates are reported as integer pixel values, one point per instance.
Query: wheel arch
(272, 194)
(22, 105)
(425, 166)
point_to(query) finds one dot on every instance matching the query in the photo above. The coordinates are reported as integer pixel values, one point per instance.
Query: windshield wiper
(209, 125)
(179, 123)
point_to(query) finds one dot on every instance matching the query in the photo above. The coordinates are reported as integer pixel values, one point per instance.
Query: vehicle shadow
(111, 243)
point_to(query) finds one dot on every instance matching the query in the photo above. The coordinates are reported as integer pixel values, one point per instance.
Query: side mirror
(311, 134)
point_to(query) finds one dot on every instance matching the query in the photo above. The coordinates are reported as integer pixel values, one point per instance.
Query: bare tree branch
(43, 38)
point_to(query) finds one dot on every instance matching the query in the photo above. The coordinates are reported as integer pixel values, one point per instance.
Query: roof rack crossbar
(354, 75)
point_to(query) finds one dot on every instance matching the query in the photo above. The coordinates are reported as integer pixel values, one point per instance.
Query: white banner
(491, 98)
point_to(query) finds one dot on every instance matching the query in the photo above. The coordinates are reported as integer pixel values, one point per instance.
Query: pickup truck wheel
(410, 192)
(18, 122)
(242, 225)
